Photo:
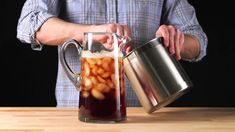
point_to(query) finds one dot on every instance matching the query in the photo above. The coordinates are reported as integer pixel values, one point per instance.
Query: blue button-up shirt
(143, 17)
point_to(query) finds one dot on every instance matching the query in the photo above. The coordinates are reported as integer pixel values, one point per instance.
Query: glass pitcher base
(110, 121)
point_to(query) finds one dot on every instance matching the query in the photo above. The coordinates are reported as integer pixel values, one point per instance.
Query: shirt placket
(111, 11)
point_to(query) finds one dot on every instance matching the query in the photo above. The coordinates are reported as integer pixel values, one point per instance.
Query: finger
(127, 34)
(163, 32)
(172, 34)
(181, 40)
(128, 49)
(111, 28)
(126, 31)
(100, 38)
(177, 44)
(120, 30)
(109, 41)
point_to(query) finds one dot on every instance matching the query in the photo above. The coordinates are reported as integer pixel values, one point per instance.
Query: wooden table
(168, 119)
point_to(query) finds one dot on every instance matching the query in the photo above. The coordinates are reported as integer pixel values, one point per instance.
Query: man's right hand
(121, 30)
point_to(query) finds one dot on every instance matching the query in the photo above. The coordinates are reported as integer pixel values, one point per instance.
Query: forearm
(56, 31)
(191, 47)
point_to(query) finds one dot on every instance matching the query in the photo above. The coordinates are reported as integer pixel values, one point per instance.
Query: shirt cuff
(35, 44)
(203, 46)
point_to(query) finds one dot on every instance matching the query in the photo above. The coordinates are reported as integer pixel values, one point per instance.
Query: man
(53, 22)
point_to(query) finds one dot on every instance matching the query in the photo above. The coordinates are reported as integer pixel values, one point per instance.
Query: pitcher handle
(73, 76)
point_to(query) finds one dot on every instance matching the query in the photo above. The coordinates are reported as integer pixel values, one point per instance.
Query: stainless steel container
(156, 77)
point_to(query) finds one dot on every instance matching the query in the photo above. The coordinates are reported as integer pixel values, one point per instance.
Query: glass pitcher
(101, 80)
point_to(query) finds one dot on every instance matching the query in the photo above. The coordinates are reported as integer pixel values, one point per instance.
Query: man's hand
(173, 39)
(121, 30)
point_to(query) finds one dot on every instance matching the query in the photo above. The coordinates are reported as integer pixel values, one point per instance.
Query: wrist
(80, 29)
(191, 48)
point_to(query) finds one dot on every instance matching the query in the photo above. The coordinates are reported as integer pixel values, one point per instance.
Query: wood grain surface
(168, 119)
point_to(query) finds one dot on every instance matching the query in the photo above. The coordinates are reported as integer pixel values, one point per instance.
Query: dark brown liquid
(102, 95)
(107, 109)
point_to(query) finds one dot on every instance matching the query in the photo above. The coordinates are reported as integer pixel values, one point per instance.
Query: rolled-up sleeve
(34, 13)
(183, 16)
